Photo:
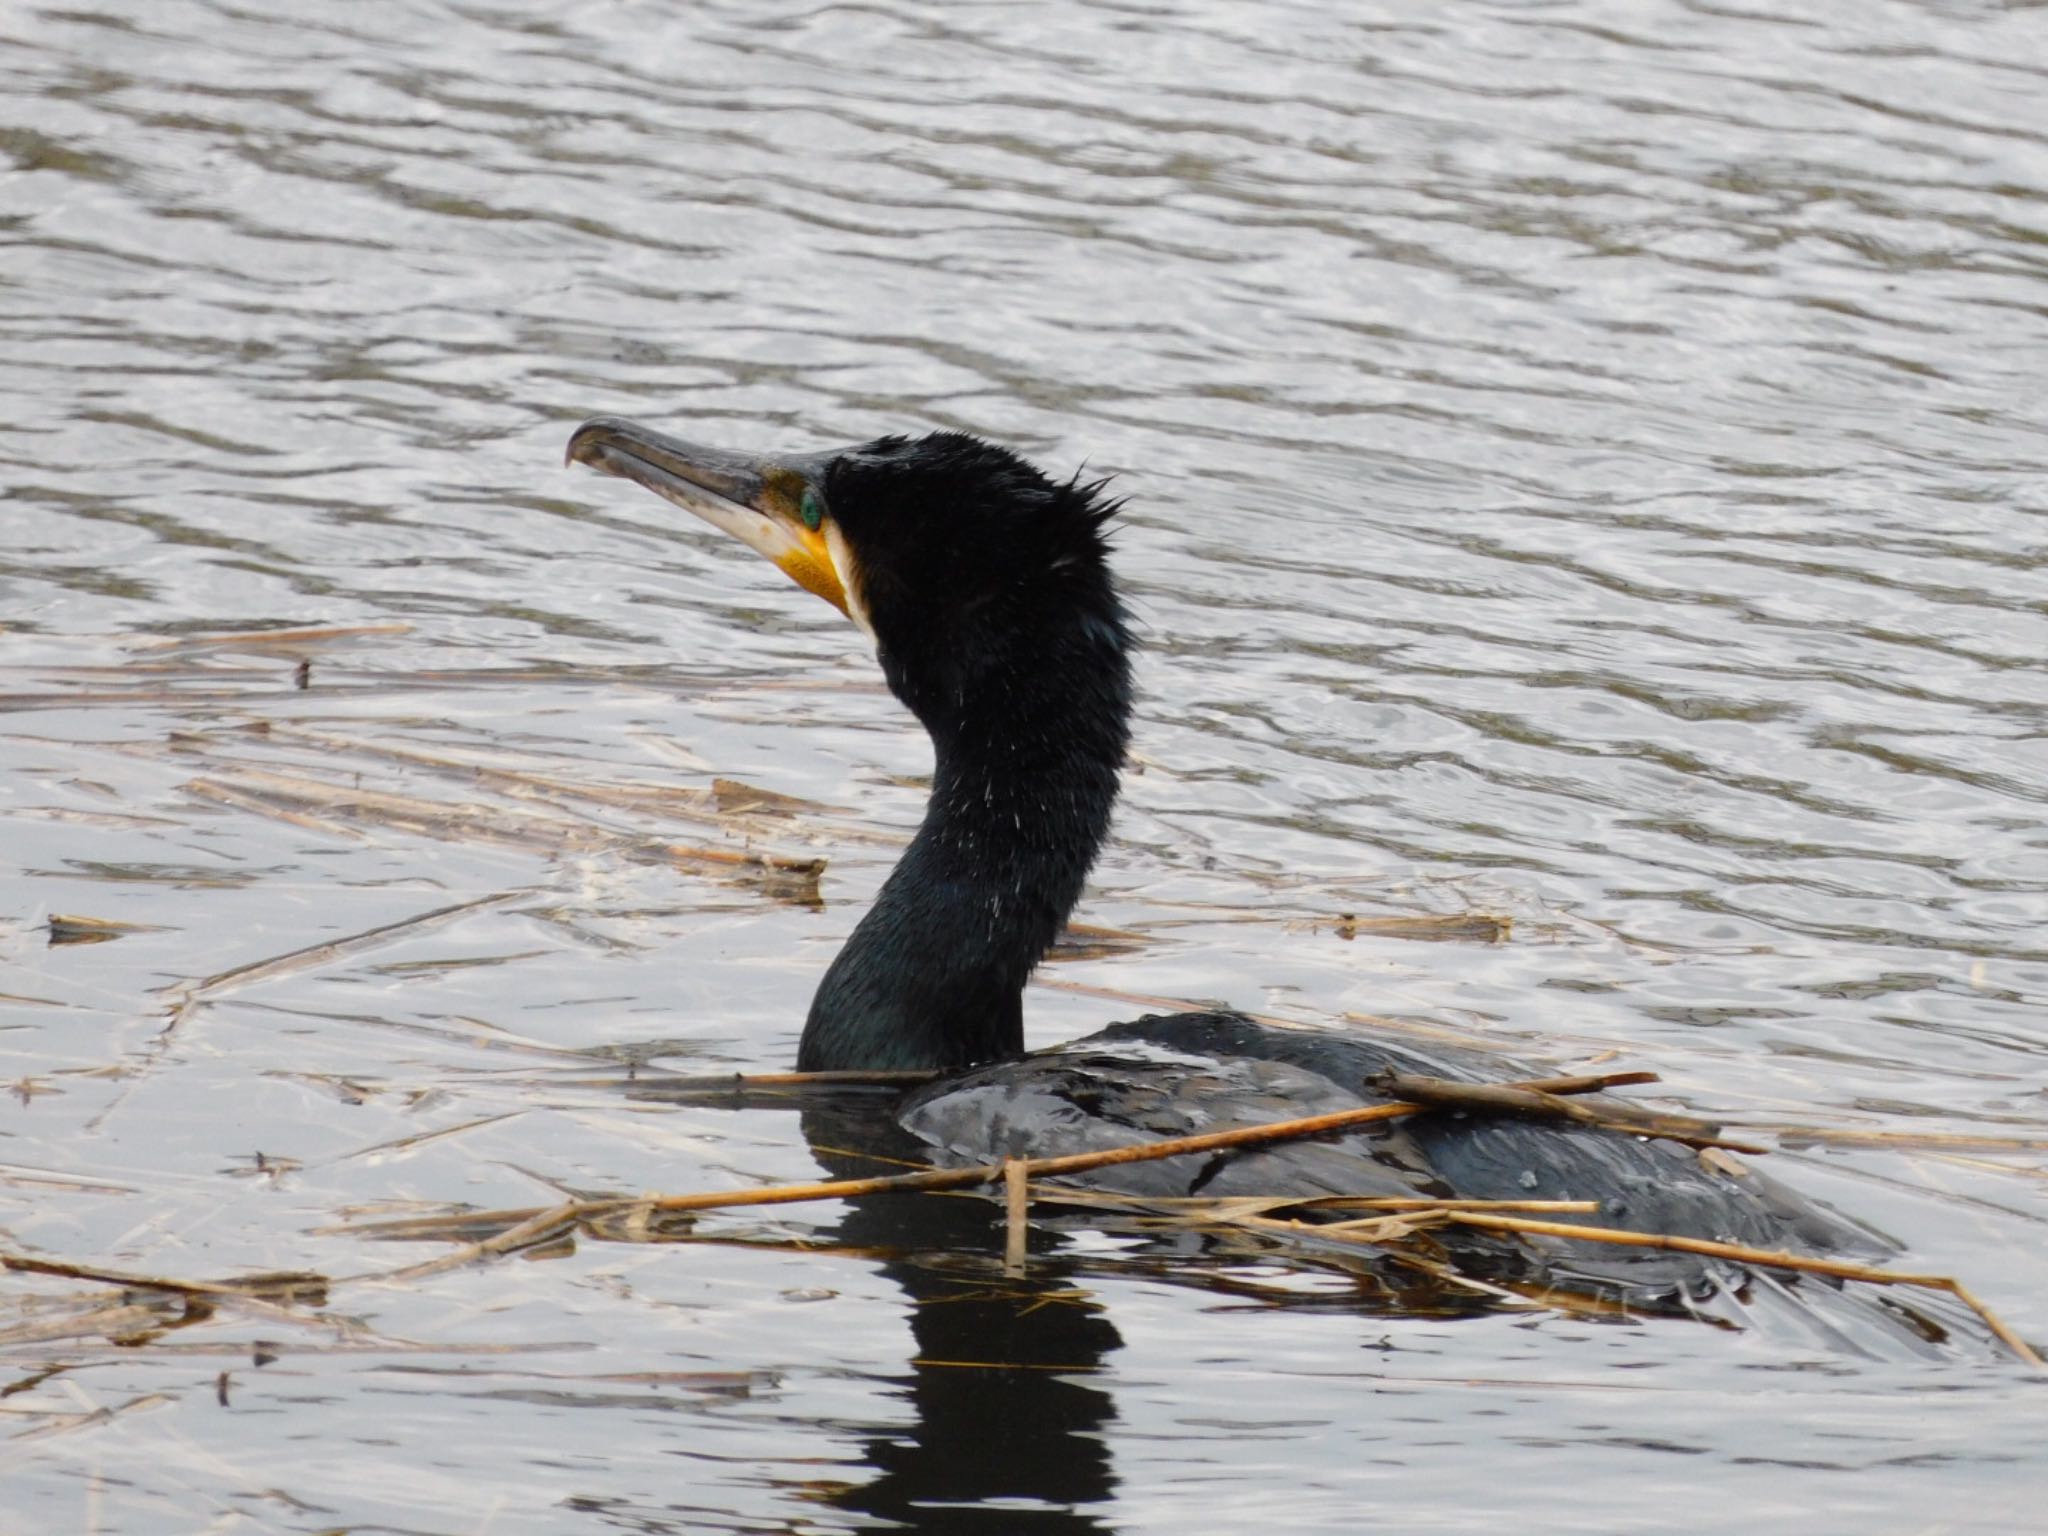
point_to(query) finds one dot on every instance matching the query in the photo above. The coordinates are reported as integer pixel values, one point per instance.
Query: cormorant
(986, 589)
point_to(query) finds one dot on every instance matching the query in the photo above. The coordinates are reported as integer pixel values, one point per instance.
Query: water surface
(1585, 467)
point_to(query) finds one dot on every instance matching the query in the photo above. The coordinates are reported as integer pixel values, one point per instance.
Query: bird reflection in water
(1007, 1431)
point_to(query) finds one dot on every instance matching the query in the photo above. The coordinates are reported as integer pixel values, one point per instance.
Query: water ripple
(1584, 463)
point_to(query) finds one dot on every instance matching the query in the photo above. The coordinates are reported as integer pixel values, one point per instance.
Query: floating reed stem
(932, 1179)
(1762, 1258)
(1545, 1098)
(1516, 1099)
(1016, 1207)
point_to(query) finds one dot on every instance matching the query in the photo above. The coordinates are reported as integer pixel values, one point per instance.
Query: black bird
(986, 589)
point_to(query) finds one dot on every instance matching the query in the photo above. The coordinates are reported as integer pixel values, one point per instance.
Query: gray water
(1585, 468)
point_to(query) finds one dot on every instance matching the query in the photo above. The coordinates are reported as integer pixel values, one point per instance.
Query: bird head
(955, 555)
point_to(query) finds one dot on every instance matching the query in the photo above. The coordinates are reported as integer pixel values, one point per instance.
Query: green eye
(811, 509)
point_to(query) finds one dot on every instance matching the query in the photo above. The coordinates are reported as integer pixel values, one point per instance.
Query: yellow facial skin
(803, 554)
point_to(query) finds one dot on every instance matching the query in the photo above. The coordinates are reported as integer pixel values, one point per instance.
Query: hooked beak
(757, 501)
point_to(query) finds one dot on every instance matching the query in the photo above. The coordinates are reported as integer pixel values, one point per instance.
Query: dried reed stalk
(1543, 1097)
(988, 1173)
(291, 1285)
(1016, 1207)
(1762, 1258)
(1502, 1099)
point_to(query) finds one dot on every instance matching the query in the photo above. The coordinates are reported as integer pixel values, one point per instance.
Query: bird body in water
(986, 589)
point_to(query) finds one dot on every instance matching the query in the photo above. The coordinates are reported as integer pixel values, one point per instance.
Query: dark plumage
(1021, 678)
(987, 590)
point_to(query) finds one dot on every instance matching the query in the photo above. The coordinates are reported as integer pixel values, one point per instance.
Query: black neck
(1027, 751)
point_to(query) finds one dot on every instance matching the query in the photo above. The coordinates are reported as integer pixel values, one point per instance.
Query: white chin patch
(849, 578)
